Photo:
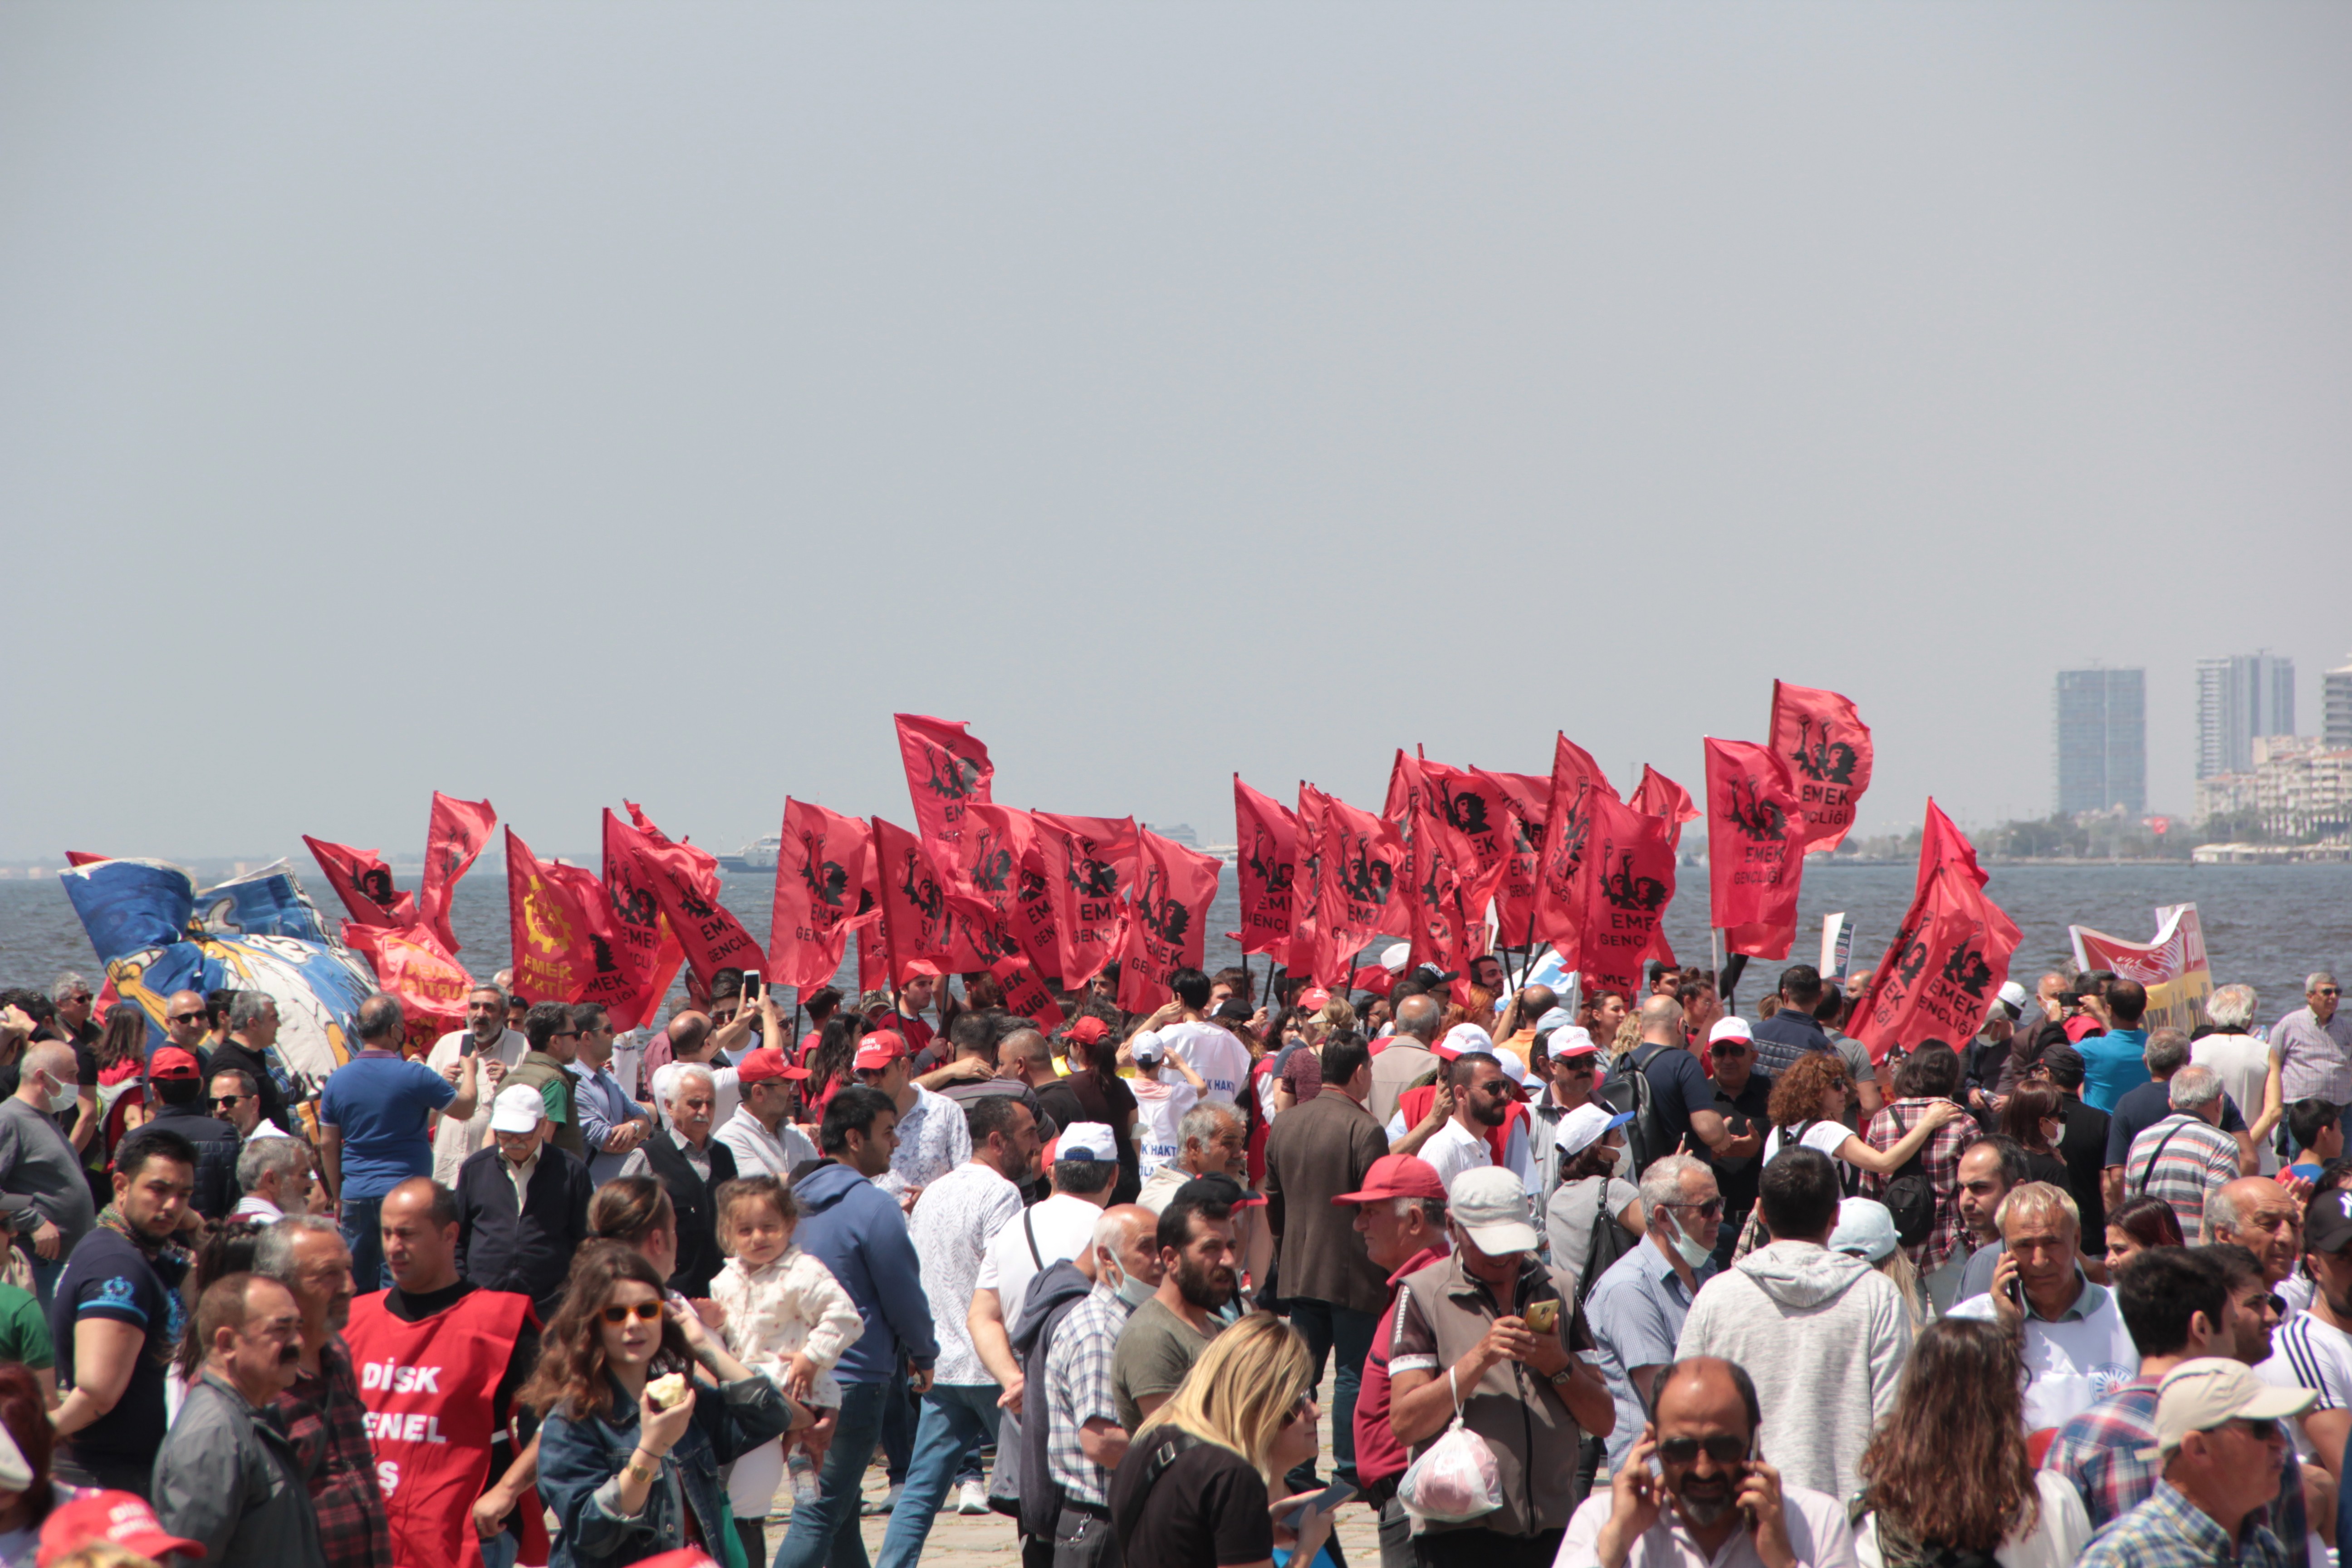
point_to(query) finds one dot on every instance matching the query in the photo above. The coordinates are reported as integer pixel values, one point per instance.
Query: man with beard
(1166, 1335)
(320, 1411)
(1482, 1101)
(116, 1316)
(226, 1476)
(500, 1050)
(1708, 1490)
(1988, 1171)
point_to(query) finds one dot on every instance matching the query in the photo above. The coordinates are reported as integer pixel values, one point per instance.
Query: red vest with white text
(429, 1387)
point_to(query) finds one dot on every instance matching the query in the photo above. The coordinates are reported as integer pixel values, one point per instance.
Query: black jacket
(217, 1145)
(230, 1057)
(528, 1251)
(699, 1256)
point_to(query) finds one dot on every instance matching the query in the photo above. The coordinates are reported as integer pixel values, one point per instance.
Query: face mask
(61, 1099)
(1690, 1251)
(1131, 1290)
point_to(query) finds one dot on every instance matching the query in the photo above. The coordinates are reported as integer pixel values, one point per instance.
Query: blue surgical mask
(1132, 1290)
(1690, 1251)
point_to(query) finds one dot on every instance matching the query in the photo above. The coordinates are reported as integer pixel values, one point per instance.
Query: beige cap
(2200, 1394)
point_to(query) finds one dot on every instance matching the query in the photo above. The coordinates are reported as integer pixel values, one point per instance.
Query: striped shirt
(2308, 1354)
(2184, 1160)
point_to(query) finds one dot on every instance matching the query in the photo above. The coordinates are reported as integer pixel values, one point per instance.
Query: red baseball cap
(171, 1062)
(768, 1065)
(114, 1519)
(1314, 997)
(1087, 1031)
(1397, 1176)
(879, 1049)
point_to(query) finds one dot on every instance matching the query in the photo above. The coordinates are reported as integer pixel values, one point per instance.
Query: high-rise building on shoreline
(2336, 708)
(2238, 699)
(2099, 724)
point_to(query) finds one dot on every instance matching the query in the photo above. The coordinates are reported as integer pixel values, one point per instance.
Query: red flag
(1627, 877)
(1827, 747)
(1167, 928)
(1941, 845)
(365, 883)
(82, 858)
(946, 770)
(412, 966)
(1089, 866)
(1267, 832)
(1576, 779)
(641, 933)
(819, 874)
(1359, 897)
(1755, 847)
(560, 922)
(1517, 806)
(1311, 952)
(702, 865)
(685, 884)
(1948, 958)
(914, 903)
(873, 937)
(1440, 906)
(454, 834)
(1026, 994)
(1660, 797)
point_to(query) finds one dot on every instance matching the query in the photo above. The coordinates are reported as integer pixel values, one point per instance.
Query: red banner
(1576, 779)
(1447, 928)
(1948, 958)
(1026, 994)
(1167, 922)
(1627, 877)
(1364, 885)
(640, 930)
(1311, 952)
(559, 921)
(873, 938)
(1660, 797)
(1827, 748)
(1515, 807)
(454, 834)
(984, 894)
(1755, 847)
(819, 874)
(914, 904)
(1941, 845)
(685, 882)
(1266, 832)
(365, 881)
(1089, 866)
(946, 770)
(412, 966)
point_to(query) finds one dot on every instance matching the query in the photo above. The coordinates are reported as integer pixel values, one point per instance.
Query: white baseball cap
(1587, 1125)
(1465, 1037)
(1393, 958)
(1488, 1202)
(2200, 1394)
(1730, 1029)
(1085, 1141)
(518, 1110)
(1865, 1229)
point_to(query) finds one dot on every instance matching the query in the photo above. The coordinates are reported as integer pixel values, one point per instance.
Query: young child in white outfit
(789, 1319)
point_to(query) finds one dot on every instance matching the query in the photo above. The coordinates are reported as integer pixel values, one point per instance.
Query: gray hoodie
(1825, 1336)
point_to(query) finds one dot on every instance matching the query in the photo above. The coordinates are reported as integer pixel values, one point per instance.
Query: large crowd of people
(1635, 1279)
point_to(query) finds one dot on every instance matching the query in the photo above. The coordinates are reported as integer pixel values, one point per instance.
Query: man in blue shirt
(2112, 1062)
(375, 1117)
(1637, 1307)
(611, 1123)
(1680, 1099)
(1792, 1031)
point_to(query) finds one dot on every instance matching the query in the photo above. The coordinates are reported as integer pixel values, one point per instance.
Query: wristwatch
(1560, 1378)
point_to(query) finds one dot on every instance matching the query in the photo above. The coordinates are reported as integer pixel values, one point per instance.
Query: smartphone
(1543, 1317)
(750, 988)
(2015, 1290)
(1329, 1497)
(465, 1045)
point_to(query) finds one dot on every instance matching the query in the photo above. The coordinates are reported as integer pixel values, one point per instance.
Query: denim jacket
(579, 1461)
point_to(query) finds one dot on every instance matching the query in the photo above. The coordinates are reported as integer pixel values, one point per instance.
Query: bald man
(1407, 1056)
(2257, 1214)
(186, 1020)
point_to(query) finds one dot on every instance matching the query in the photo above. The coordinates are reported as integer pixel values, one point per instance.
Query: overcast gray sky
(555, 402)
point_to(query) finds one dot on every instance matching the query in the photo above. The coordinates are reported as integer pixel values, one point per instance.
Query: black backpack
(1910, 1198)
(1628, 1089)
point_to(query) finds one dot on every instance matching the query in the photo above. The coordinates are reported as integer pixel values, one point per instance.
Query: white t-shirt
(2308, 1354)
(1160, 1106)
(1826, 1137)
(2242, 1063)
(2056, 1539)
(2072, 1366)
(1454, 1149)
(1064, 1226)
(1223, 1061)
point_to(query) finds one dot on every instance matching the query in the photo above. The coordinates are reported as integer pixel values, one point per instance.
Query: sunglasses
(230, 1099)
(83, 997)
(188, 1018)
(2328, 990)
(2259, 1431)
(1728, 1050)
(644, 1311)
(1723, 1449)
(1711, 1208)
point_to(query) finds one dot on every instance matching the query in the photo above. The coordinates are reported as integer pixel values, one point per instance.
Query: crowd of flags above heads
(1456, 862)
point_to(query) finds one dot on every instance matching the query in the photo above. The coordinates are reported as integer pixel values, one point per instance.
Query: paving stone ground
(987, 1541)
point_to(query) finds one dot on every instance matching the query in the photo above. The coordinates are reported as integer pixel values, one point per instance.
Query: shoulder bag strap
(1029, 1229)
(2155, 1154)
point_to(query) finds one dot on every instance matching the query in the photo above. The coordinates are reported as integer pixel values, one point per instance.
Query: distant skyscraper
(2336, 708)
(2238, 698)
(2102, 739)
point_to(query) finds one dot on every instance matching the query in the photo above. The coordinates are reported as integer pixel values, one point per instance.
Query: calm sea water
(2265, 925)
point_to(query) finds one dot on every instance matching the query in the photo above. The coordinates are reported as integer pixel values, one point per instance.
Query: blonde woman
(1201, 1485)
(1865, 1229)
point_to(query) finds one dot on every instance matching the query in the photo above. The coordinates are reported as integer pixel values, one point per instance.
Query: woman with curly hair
(631, 1441)
(1946, 1480)
(1807, 1098)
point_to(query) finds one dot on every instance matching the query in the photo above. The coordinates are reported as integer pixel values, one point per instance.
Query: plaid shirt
(324, 1420)
(2099, 1451)
(2183, 1159)
(2168, 1530)
(1941, 1159)
(1078, 1390)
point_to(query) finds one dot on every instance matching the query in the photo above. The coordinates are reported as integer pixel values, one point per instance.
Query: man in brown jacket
(1330, 1287)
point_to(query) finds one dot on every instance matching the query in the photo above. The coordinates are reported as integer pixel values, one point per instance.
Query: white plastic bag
(1457, 1478)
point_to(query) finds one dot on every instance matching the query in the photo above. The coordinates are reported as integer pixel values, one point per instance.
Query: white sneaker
(971, 1498)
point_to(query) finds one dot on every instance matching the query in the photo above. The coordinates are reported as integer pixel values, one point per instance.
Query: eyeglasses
(1728, 1049)
(2259, 1431)
(1299, 1409)
(83, 997)
(644, 1311)
(227, 1100)
(1712, 1207)
(188, 1018)
(1723, 1449)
